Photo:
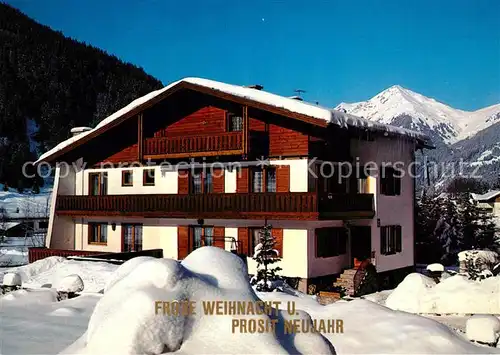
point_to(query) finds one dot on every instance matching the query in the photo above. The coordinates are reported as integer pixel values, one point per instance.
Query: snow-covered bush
(12, 279)
(71, 283)
(474, 262)
(453, 295)
(265, 255)
(436, 267)
(407, 296)
(69, 286)
(483, 329)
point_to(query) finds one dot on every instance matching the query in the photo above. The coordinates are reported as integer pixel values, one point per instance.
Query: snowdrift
(455, 294)
(124, 319)
(52, 270)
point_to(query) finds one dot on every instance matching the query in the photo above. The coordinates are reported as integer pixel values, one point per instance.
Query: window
(201, 236)
(390, 240)
(127, 178)
(390, 181)
(43, 225)
(98, 184)
(234, 122)
(331, 242)
(271, 180)
(148, 177)
(263, 179)
(362, 183)
(132, 237)
(201, 182)
(98, 233)
(255, 234)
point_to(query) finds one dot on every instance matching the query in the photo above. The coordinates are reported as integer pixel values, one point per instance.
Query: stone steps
(346, 281)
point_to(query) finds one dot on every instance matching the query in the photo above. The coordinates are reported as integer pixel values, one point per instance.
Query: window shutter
(278, 238)
(219, 237)
(283, 178)
(399, 237)
(383, 179)
(383, 236)
(243, 236)
(397, 186)
(242, 180)
(218, 181)
(182, 242)
(183, 181)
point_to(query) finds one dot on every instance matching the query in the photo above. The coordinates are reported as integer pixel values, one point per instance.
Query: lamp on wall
(113, 227)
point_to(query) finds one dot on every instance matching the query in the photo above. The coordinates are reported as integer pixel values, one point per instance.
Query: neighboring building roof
(290, 105)
(8, 225)
(487, 196)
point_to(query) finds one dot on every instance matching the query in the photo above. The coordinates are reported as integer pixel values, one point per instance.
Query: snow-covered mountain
(459, 136)
(425, 114)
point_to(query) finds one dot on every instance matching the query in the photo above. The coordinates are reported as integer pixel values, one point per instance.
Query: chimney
(79, 130)
(256, 87)
(298, 98)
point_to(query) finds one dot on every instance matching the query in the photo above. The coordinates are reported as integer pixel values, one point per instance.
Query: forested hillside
(50, 83)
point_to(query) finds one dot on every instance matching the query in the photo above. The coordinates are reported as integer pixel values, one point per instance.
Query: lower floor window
(98, 233)
(132, 237)
(202, 236)
(390, 239)
(331, 242)
(255, 236)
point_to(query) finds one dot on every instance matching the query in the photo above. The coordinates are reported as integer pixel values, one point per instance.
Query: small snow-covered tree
(265, 255)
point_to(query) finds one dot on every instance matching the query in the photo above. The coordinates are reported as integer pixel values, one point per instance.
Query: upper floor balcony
(229, 143)
(289, 205)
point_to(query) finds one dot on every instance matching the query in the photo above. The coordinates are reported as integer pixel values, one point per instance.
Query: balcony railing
(220, 144)
(293, 205)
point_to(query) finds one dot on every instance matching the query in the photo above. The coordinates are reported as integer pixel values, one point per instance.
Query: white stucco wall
(156, 234)
(161, 237)
(230, 232)
(324, 266)
(113, 245)
(166, 182)
(230, 181)
(298, 173)
(63, 233)
(391, 210)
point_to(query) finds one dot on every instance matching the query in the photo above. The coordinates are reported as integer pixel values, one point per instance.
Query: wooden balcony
(230, 143)
(293, 205)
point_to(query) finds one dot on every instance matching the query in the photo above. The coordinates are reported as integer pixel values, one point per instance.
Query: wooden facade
(190, 124)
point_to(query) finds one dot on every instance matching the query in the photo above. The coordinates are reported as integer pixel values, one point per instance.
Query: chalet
(201, 162)
(490, 202)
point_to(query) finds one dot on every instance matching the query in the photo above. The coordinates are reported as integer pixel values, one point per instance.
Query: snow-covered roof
(487, 196)
(303, 108)
(8, 225)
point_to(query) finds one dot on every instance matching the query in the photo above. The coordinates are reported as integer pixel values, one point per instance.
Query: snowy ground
(17, 205)
(123, 323)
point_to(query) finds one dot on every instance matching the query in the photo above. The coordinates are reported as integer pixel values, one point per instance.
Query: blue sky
(335, 50)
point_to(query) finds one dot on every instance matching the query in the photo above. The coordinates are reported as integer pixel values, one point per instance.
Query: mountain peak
(397, 104)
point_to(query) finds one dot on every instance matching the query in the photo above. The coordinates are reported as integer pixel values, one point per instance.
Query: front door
(132, 237)
(361, 242)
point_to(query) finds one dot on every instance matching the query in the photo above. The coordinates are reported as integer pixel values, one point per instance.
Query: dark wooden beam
(140, 137)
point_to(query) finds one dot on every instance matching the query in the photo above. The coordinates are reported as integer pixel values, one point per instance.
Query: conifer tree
(449, 230)
(265, 255)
